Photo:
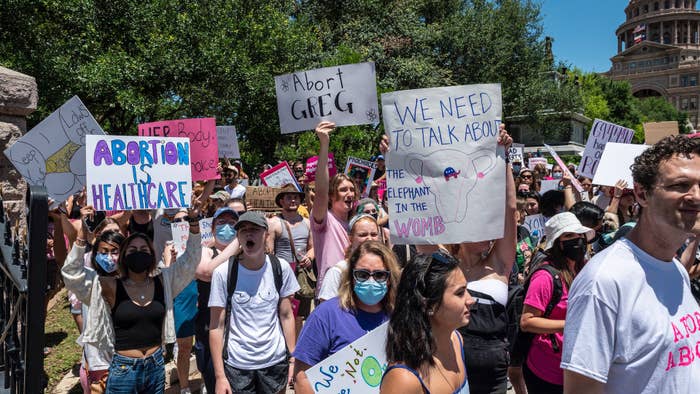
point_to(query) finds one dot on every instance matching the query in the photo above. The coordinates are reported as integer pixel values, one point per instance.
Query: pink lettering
(670, 364)
(677, 335)
(685, 320)
(697, 318)
(686, 356)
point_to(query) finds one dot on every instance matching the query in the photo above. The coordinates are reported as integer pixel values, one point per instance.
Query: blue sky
(584, 30)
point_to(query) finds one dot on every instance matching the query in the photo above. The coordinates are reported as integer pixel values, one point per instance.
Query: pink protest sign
(564, 168)
(311, 167)
(204, 148)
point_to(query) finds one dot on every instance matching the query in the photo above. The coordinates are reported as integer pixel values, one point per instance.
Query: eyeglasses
(380, 276)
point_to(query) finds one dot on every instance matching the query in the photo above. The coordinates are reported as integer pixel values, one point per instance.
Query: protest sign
(227, 141)
(533, 161)
(515, 153)
(205, 231)
(535, 225)
(346, 95)
(549, 184)
(358, 367)
(656, 131)
(203, 145)
(181, 232)
(443, 165)
(362, 172)
(381, 188)
(126, 173)
(52, 154)
(279, 176)
(615, 163)
(564, 168)
(262, 198)
(312, 162)
(601, 133)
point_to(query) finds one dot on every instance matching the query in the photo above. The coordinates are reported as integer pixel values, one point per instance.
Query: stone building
(658, 52)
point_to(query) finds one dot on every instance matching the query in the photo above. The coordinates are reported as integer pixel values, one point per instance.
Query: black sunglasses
(380, 276)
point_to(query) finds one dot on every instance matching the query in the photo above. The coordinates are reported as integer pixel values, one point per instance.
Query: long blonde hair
(346, 294)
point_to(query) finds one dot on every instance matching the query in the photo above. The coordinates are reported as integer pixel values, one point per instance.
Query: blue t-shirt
(330, 328)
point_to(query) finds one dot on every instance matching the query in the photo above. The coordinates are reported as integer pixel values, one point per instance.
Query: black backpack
(231, 288)
(519, 340)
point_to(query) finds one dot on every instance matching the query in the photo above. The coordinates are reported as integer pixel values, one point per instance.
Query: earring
(430, 313)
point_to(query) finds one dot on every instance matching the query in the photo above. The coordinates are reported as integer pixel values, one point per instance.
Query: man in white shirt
(632, 324)
(230, 176)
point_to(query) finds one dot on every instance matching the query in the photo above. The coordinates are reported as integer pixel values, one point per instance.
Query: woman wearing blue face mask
(365, 301)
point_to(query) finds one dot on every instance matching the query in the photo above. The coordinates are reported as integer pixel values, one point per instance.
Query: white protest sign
(358, 367)
(533, 161)
(549, 184)
(346, 95)
(564, 168)
(515, 153)
(228, 142)
(52, 154)
(126, 173)
(443, 172)
(205, 231)
(279, 176)
(181, 232)
(362, 172)
(601, 133)
(615, 163)
(535, 224)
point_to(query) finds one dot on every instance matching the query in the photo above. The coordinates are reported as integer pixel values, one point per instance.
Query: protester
(365, 301)
(331, 209)
(532, 203)
(231, 178)
(423, 348)
(370, 207)
(140, 221)
(542, 313)
(252, 323)
(526, 177)
(622, 203)
(631, 324)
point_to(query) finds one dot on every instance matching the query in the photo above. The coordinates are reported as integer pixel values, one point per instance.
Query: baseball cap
(220, 195)
(224, 210)
(253, 217)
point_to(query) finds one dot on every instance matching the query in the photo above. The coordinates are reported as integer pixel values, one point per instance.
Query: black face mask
(138, 262)
(574, 249)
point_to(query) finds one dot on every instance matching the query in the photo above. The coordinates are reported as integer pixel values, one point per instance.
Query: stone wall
(18, 99)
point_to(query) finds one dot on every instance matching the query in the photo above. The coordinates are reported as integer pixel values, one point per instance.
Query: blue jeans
(205, 364)
(136, 375)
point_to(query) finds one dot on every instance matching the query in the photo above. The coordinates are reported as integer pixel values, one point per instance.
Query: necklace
(142, 285)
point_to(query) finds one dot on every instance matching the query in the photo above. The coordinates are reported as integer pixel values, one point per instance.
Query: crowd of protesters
(600, 300)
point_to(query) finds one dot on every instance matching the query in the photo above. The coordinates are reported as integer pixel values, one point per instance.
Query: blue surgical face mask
(225, 233)
(557, 175)
(370, 292)
(106, 262)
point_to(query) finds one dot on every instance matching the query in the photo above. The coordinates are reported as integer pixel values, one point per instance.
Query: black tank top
(138, 327)
(146, 228)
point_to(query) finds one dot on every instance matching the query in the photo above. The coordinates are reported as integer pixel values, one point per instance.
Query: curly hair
(420, 291)
(645, 170)
(346, 294)
(109, 237)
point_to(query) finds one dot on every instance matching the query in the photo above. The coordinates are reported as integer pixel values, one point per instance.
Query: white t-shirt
(236, 192)
(331, 282)
(633, 323)
(255, 339)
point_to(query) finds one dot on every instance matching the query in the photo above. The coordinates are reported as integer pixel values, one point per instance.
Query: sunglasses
(380, 276)
(179, 220)
(526, 176)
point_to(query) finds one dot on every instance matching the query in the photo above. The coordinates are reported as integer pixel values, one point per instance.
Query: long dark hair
(122, 252)
(112, 237)
(410, 339)
(558, 260)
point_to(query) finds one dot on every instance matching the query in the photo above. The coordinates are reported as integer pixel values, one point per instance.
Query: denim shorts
(272, 379)
(137, 375)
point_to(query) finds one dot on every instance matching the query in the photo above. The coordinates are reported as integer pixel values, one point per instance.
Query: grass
(60, 335)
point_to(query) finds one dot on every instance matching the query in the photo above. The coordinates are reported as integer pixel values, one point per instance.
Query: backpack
(519, 340)
(231, 288)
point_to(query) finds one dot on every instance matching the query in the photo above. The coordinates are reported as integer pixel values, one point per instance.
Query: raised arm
(503, 253)
(76, 277)
(320, 208)
(620, 187)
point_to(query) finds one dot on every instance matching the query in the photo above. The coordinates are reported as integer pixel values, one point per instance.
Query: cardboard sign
(357, 368)
(181, 233)
(535, 225)
(205, 231)
(516, 153)
(312, 163)
(262, 198)
(564, 169)
(126, 173)
(656, 131)
(549, 184)
(227, 141)
(52, 154)
(533, 161)
(279, 176)
(601, 133)
(346, 95)
(615, 163)
(443, 164)
(362, 172)
(203, 143)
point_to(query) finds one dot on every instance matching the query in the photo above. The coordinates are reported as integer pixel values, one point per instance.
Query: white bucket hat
(565, 222)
